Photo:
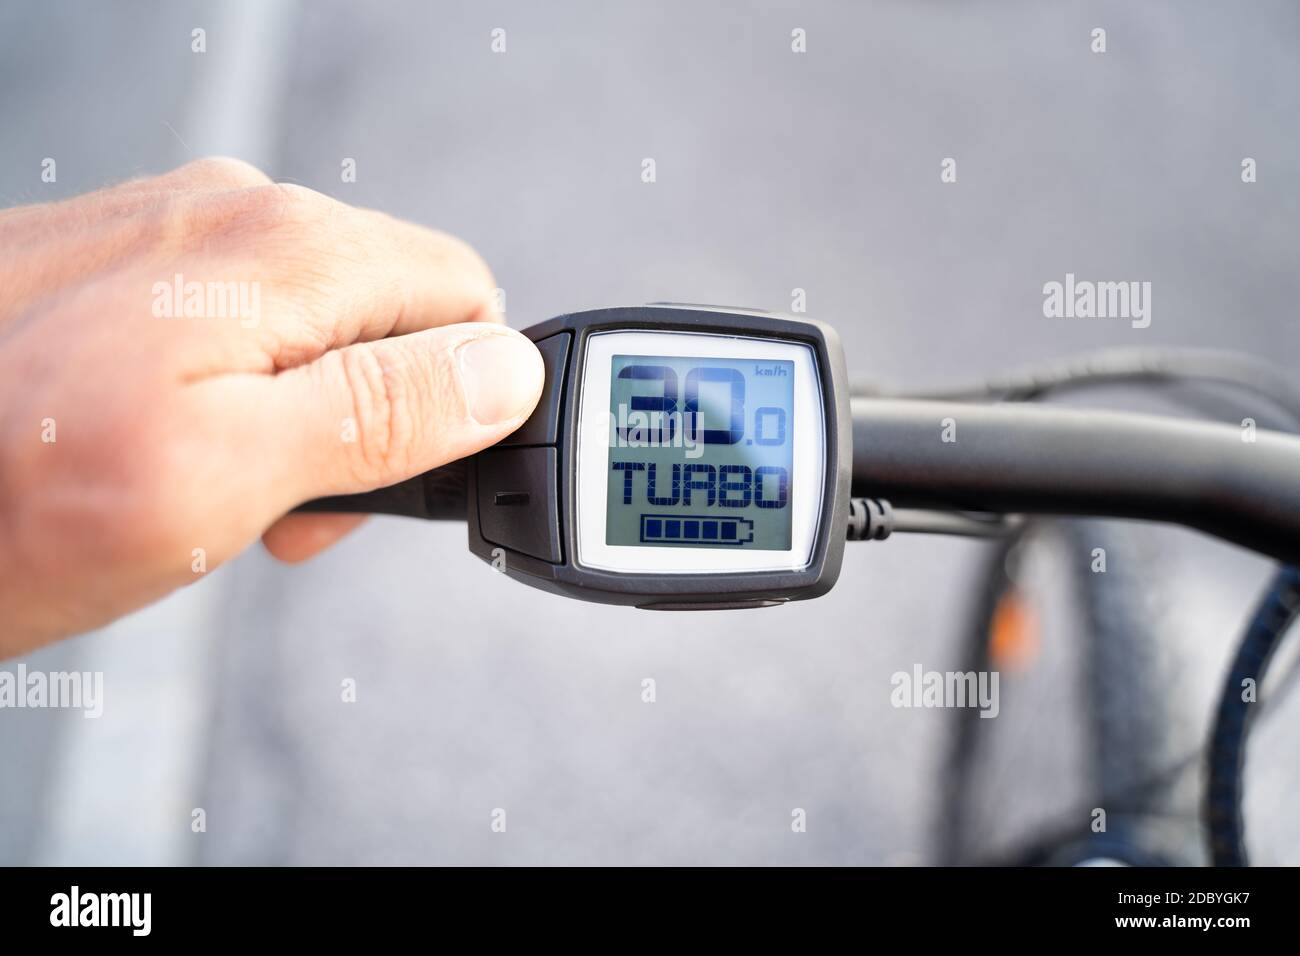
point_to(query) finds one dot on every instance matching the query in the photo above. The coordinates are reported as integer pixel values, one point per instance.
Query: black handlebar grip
(437, 495)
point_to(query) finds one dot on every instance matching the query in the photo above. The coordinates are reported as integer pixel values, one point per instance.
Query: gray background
(775, 171)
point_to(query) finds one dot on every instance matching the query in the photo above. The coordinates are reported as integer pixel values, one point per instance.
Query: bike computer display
(711, 434)
(680, 457)
(698, 447)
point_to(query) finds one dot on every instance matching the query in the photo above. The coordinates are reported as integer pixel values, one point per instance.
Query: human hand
(184, 359)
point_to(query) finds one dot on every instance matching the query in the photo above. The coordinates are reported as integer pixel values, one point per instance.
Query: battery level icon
(675, 529)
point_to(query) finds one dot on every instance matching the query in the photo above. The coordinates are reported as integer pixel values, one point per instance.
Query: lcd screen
(701, 453)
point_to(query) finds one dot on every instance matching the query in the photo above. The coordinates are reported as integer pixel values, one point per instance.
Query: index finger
(326, 275)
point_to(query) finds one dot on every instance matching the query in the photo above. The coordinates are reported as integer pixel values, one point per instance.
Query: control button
(543, 426)
(518, 500)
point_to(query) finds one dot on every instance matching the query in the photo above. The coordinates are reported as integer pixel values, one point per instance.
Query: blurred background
(776, 171)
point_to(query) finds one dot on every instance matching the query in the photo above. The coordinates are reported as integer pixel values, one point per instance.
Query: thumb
(376, 413)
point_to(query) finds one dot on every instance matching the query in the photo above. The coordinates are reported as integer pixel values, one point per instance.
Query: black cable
(1227, 747)
(875, 519)
(1126, 366)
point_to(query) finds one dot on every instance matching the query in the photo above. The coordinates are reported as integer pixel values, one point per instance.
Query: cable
(1120, 366)
(870, 519)
(874, 519)
(960, 523)
(1227, 748)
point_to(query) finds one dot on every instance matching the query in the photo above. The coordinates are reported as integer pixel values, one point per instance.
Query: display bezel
(593, 446)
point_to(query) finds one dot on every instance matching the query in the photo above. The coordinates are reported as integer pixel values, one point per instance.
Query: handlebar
(1020, 459)
(437, 495)
(1034, 459)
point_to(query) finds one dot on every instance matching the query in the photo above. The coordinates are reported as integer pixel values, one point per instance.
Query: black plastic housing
(679, 591)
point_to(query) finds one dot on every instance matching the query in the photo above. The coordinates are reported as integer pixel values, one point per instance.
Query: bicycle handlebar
(1021, 459)
(1237, 485)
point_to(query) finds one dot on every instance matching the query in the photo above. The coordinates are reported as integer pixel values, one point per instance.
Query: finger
(265, 307)
(376, 413)
(297, 537)
(330, 275)
(318, 274)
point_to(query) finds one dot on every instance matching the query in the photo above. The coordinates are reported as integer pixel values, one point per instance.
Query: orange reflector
(1013, 633)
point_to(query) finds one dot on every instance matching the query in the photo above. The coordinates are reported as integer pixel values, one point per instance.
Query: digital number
(782, 487)
(767, 418)
(665, 402)
(717, 436)
(779, 415)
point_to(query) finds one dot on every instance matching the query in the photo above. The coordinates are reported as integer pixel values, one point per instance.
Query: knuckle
(290, 202)
(292, 227)
(177, 222)
(384, 393)
(222, 171)
(191, 221)
(270, 207)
